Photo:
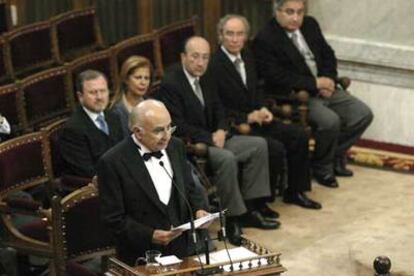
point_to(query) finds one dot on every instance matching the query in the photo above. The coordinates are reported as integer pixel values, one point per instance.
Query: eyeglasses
(159, 131)
(291, 12)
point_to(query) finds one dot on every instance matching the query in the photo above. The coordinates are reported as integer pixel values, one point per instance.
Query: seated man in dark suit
(91, 130)
(235, 72)
(190, 96)
(145, 187)
(292, 54)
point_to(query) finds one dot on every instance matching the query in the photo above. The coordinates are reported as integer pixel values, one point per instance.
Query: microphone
(192, 226)
(193, 232)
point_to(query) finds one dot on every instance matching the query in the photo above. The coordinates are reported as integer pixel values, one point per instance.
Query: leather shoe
(340, 168)
(302, 200)
(268, 213)
(327, 180)
(255, 219)
(234, 232)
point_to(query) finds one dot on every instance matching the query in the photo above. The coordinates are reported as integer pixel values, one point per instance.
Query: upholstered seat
(171, 39)
(140, 45)
(31, 48)
(47, 97)
(11, 107)
(5, 62)
(23, 166)
(76, 33)
(74, 240)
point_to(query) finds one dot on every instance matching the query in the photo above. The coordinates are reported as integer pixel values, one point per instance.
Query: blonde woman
(134, 82)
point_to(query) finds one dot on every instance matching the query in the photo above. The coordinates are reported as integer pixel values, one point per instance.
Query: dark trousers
(288, 144)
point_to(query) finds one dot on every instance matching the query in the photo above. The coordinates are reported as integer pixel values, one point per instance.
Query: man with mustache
(91, 130)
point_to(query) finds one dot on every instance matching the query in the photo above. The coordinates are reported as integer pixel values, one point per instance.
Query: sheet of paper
(198, 222)
(168, 260)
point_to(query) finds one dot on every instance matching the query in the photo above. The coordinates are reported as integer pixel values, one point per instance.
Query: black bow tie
(147, 156)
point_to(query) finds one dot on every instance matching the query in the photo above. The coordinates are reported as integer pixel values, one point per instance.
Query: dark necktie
(147, 156)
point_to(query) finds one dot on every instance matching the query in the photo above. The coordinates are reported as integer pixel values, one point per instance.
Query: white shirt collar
(142, 149)
(297, 32)
(231, 56)
(190, 78)
(92, 115)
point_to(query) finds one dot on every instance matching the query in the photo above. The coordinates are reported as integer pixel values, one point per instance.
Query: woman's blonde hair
(128, 67)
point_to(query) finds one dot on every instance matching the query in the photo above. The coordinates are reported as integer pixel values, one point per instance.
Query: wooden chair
(47, 97)
(141, 45)
(101, 61)
(11, 107)
(78, 233)
(76, 33)
(5, 17)
(293, 108)
(171, 40)
(31, 48)
(5, 62)
(24, 165)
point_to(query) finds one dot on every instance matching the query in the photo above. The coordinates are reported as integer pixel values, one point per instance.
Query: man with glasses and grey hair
(146, 189)
(91, 130)
(292, 55)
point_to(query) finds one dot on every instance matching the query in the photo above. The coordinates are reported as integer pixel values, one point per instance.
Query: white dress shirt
(233, 59)
(162, 181)
(93, 116)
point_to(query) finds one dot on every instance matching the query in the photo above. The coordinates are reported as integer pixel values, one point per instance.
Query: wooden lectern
(189, 266)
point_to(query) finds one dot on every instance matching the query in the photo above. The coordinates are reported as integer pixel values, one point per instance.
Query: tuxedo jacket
(193, 121)
(283, 67)
(82, 143)
(130, 206)
(237, 98)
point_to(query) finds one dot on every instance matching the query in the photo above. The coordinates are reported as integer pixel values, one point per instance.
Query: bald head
(145, 111)
(150, 123)
(196, 56)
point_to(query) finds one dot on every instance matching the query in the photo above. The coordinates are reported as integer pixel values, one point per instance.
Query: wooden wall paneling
(256, 12)
(145, 16)
(167, 12)
(118, 19)
(211, 15)
(39, 10)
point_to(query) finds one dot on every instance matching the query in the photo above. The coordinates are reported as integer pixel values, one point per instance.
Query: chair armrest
(197, 149)
(23, 204)
(344, 82)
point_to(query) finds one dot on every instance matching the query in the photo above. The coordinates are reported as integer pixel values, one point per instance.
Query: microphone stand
(193, 232)
(221, 234)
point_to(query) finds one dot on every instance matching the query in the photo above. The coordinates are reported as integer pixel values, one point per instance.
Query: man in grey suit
(292, 55)
(190, 95)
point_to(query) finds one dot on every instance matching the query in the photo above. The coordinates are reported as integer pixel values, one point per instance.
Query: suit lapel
(198, 107)
(176, 164)
(136, 166)
(229, 66)
(291, 51)
(251, 77)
